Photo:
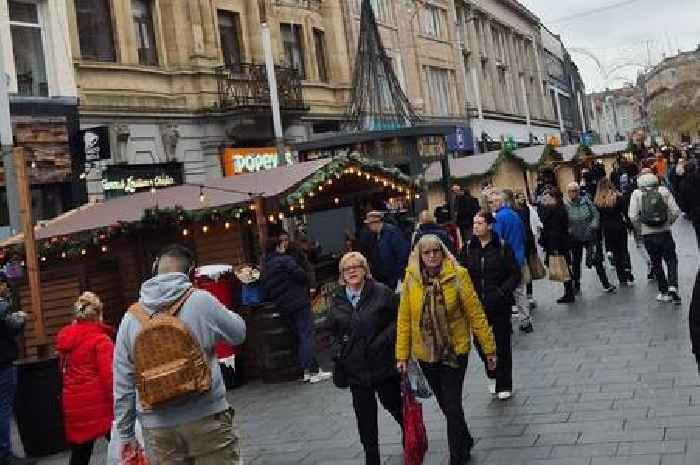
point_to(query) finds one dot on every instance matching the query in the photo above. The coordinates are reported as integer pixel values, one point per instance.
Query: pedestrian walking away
(286, 283)
(584, 224)
(511, 229)
(11, 326)
(86, 351)
(521, 207)
(610, 205)
(690, 193)
(363, 321)
(466, 206)
(438, 312)
(495, 274)
(555, 239)
(385, 248)
(428, 225)
(193, 425)
(653, 211)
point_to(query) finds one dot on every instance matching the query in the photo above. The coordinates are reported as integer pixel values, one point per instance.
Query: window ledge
(433, 39)
(312, 83)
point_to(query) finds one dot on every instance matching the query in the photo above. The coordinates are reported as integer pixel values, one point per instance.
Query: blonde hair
(606, 195)
(88, 307)
(353, 256)
(426, 217)
(426, 242)
(573, 185)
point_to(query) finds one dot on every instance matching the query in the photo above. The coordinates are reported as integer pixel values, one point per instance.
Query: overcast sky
(618, 33)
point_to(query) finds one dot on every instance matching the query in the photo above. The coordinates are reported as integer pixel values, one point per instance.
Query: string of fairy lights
(188, 223)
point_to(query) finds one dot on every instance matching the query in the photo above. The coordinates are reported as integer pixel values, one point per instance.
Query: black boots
(568, 297)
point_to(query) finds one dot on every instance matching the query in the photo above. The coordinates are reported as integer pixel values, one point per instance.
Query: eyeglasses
(432, 252)
(350, 268)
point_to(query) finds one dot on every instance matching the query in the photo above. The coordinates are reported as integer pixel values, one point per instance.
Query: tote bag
(558, 269)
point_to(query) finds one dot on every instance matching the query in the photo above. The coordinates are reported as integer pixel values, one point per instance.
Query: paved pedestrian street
(609, 380)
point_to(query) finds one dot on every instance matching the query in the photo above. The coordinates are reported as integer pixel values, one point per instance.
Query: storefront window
(95, 30)
(145, 35)
(28, 49)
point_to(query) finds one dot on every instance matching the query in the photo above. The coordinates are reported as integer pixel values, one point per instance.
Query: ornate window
(95, 30)
(230, 37)
(144, 31)
(292, 39)
(320, 43)
(28, 49)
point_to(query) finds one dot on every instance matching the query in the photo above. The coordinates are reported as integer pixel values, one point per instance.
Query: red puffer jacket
(86, 352)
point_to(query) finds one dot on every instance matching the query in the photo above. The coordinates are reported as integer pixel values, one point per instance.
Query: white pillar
(477, 91)
(582, 111)
(527, 106)
(561, 119)
(274, 99)
(6, 150)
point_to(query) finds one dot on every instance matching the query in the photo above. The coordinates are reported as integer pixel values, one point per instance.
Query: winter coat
(511, 229)
(612, 220)
(690, 193)
(495, 275)
(465, 314)
(86, 353)
(584, 219)
(437, 230)
(10, 328)
(524, 214)
(648, 182)
(694, 318)
(467, 207)
(387, 254)
(368, 352)
(284, 282)
(555, 230)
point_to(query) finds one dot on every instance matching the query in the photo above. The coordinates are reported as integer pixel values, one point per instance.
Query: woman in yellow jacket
(439, 309)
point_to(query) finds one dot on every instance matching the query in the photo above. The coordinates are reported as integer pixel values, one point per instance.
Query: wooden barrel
(278, 344)
(38, 407)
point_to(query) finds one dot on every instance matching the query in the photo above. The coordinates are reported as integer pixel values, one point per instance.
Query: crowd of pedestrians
(406, 303)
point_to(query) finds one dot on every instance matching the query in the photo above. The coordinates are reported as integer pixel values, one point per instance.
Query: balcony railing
(314, 5)
(244, 85)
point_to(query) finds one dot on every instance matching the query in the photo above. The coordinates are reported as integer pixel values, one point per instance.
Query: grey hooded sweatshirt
(208, 321)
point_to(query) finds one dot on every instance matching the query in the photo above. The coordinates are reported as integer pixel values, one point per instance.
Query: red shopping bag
(134, 456)
(415, 436)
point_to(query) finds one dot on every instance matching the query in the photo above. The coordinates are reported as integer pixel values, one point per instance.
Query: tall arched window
(145, 35)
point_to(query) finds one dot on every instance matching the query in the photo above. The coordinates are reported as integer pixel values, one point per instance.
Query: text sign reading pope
(249, 160)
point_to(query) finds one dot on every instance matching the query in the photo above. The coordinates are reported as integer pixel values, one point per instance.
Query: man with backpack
(165, 368)
(652, 212)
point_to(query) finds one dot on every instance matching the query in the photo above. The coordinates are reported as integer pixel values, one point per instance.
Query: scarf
(434, 328)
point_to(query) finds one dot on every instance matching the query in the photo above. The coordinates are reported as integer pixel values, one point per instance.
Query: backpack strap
(175, 308)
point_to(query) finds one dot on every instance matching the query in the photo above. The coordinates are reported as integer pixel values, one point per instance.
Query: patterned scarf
(434, 328)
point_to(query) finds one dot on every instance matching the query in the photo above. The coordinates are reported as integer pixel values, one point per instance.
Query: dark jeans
(80, 454)
(661, 247)
(617, 244)
(302, 324)
(8, 386)
(503, 374)
(593, 254)
(447, 382)
(364, 402)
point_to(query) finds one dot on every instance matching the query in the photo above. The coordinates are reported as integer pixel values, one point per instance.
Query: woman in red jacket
(86, 349)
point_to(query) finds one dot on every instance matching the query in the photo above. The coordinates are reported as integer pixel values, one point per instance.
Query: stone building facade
(672, 97)
(616, 114)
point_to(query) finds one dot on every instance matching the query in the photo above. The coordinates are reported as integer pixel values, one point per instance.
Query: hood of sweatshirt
(159, 292)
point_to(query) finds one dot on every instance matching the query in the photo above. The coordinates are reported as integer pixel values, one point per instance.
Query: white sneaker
(307, 376)
(663, 297)
(320, 376)
(505, 395)
(492, 388)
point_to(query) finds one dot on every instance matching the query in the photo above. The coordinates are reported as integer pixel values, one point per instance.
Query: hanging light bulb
(227, 225)
(311, 194)
(291, 208)
(417, 196)
(250, 222)
(336, 200)
(185, 232)
(320, 188)
(272, 218)
(33, 164)
(281, 215)
(63, 255)
(385, 183)
(202, 196)
(83, 252)
(83, 175)
(43, 259)
(329, 182)
(205, 229)
(104, 249)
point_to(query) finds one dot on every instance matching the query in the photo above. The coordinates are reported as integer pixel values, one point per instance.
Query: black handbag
(340, 376)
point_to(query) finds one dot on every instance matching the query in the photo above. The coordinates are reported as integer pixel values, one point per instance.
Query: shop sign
(94, 144)
(249, 160)
(461, 140)
(127, 179)
(432, 147)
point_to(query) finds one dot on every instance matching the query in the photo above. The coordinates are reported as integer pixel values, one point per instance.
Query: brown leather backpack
(169, 363)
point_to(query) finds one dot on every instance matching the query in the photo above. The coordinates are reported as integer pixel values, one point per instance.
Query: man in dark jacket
(11, 325)
(690, 193)
(385, 248)
(466, 206)
(428, 225)
(285, 283)
(694, 317)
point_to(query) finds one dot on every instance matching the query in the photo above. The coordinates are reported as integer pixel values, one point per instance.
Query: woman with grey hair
(86, 350)
(363, 320)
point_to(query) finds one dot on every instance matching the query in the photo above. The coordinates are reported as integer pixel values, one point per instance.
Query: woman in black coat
(363, 320)
(694, 320)
(495, 274)
(611, 204)
(555, 235)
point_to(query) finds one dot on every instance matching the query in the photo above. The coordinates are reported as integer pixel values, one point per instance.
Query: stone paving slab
(607, 381)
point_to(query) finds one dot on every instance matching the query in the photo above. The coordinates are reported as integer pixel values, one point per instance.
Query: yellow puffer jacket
(464, 314)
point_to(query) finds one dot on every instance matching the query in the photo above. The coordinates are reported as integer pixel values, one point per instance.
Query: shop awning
(131, 208)
(568, 152)
(609, 149)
